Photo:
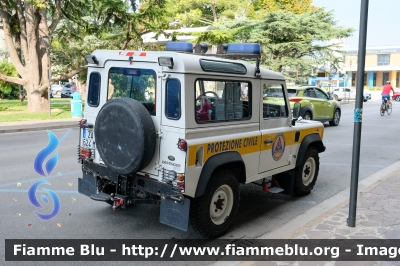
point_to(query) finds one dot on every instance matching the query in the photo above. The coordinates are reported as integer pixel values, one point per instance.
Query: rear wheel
(389, 108)
(306, 174)
(398, 98)
(336, 118)
(212, 213)
(307, 116)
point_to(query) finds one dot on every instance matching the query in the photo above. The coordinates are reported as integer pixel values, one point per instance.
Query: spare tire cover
(125, 135)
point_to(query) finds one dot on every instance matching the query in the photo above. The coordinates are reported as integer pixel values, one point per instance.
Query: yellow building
(381, 64)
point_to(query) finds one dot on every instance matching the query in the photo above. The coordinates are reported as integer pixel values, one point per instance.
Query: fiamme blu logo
(45, 171)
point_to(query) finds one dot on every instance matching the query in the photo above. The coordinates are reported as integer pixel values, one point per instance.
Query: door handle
(268, 141)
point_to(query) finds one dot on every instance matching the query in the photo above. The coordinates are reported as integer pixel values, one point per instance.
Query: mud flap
(87, 185)
(175, 214)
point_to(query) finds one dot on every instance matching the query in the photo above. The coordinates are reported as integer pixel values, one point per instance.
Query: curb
(302, 222)
(2, 131)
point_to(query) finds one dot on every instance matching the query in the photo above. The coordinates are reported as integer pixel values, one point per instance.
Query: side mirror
(296, 112)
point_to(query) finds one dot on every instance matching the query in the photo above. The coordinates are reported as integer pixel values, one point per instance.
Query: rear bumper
(126, 185)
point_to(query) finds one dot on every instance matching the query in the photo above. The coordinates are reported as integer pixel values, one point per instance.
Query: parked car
(66, 92)
(56, 89)
(315, 103)
(347, 93)
(396, 96)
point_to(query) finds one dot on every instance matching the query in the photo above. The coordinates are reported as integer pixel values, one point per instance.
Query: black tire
(336, 118)
(382, 111)
(225, 187)
(389, 108)
(398, 98)
(307, 116)
(125, 135)
(306, 174)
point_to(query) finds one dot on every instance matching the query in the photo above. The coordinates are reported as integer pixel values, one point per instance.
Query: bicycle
(387, 108)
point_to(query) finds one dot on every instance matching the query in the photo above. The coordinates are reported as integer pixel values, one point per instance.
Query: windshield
(135, 83)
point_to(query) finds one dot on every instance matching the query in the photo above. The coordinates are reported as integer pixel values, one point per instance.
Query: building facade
(381, 64)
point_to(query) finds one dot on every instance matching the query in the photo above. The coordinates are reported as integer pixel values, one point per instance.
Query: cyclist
(386, 93)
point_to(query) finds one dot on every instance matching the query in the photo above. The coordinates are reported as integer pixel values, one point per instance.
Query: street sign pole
(351, 221)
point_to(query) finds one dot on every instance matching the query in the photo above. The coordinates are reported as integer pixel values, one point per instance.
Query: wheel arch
(312, 139)
(306, 109)
(230, 159)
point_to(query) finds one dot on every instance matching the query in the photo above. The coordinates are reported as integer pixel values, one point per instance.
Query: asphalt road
(259, 212)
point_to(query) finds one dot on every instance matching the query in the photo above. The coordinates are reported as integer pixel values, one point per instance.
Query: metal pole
(48, 73)
(351, 221)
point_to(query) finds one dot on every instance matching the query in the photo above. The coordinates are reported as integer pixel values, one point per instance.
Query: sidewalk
(377, 217)
(34, 125)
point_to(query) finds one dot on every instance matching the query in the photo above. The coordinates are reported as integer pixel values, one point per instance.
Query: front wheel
(382, 110)
(212, 214)
(336, 118)
(398, 98)
(306, 174)
(389, 108)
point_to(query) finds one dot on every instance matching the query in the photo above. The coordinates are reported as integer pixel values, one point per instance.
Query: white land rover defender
(183, 130)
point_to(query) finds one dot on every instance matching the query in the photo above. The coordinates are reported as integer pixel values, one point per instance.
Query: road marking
(65, 135)
(40, 178)
(38, 144)
(41, 190)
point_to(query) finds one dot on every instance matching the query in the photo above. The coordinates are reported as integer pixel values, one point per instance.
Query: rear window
(94, 89)
(135, 83)
(292, 92)
(222, 67)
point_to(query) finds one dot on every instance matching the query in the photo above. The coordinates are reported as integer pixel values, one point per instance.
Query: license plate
(88, 138)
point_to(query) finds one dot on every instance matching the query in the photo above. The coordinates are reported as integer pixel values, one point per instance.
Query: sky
(383, 20)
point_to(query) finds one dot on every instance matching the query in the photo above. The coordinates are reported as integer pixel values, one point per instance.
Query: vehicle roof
(183, 62)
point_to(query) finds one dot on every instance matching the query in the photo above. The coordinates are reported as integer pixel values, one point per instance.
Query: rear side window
(135, 83)
(94, 89)
(173, 99)
(222, 100)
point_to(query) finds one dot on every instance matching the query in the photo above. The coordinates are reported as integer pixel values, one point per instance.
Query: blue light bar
(185, 47)
(244, 48)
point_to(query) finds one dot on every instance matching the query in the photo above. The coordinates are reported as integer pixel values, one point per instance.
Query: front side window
(222, 100)
(94, 89)
(322, 95)
(135, 83)
(274, 102)
(310, 93)
(173, 102)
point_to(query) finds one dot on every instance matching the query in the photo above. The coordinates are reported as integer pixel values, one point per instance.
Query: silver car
(346, 93)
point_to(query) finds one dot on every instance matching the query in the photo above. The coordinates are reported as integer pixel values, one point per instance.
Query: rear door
(138, 81)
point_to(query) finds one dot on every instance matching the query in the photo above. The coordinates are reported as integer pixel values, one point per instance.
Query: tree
(25, 26)
(196, 13)
(262, 7)
(76, 28)
(290, 41)
(7, 88)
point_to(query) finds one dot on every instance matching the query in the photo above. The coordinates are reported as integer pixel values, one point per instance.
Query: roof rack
(228, 51)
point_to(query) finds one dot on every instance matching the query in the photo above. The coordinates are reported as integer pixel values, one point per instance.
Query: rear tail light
(296, 100)
(82, 122)
(174, 178)
(182, 144)
(85, 153)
